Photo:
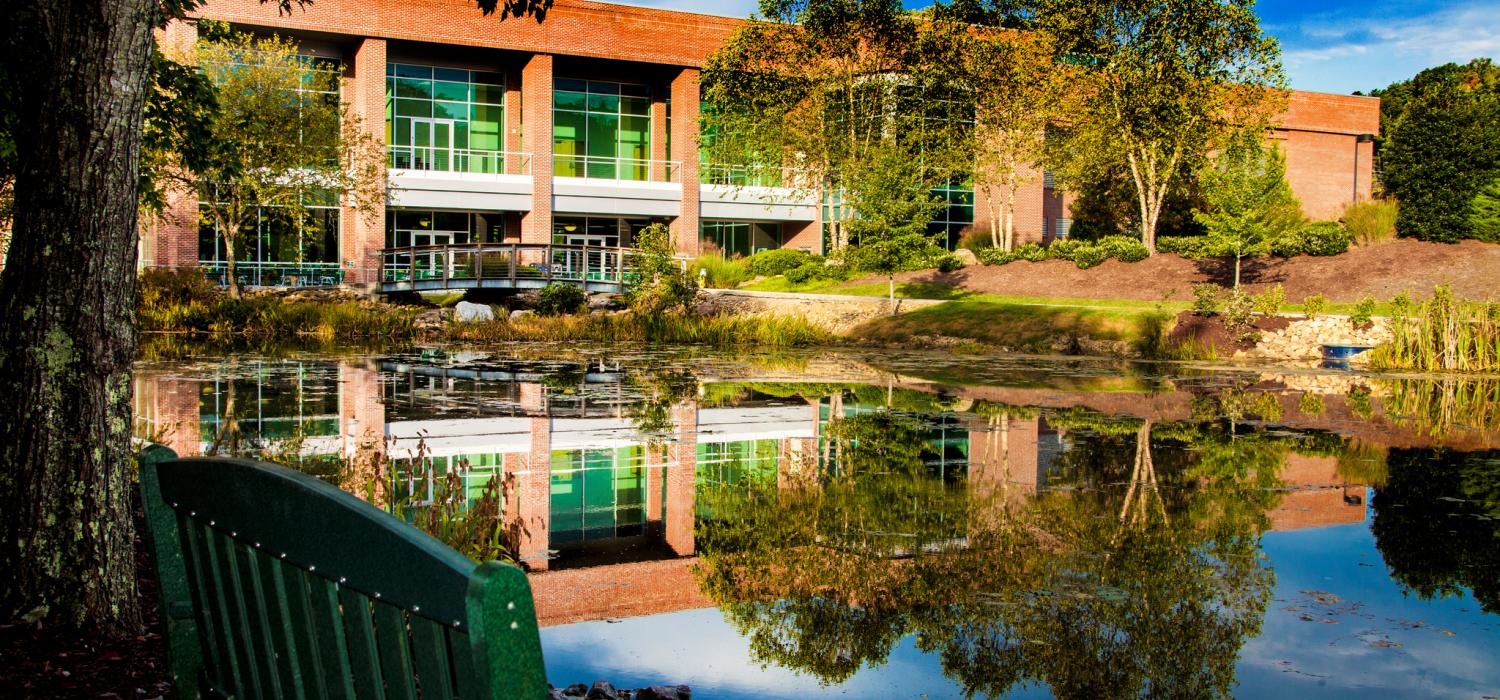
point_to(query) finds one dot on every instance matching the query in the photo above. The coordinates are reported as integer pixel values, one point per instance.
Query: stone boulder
(966, 256)
(521, 313)
(466, 312)
(664, 692)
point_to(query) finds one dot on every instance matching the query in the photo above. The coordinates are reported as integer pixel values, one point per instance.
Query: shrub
(1192, 247)
(559, 298)
(1207, 299)
(1311, 405)
(720, 273)
(776, 262)
(976, 240)
(1238, 310)
(1088, 256)
(1364, 312)
(806, 273)
(1064, 249)
(1269, 302)
(1371, 222)
(1316, 238)
(1315, 305)
(949, 263)
(1123, 248)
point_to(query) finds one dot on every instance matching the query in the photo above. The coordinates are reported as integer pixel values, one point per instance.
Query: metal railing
(611, 168)
(275, 274)
(458, 160)
(469, 264)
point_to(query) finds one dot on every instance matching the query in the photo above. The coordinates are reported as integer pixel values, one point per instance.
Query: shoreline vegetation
(1442, 333)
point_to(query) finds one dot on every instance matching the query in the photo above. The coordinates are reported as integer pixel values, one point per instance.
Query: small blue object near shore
(1338, 356)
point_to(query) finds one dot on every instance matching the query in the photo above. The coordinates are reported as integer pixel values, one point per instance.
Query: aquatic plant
(1443, 333)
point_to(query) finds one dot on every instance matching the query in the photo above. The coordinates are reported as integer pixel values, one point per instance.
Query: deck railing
(276, 274)
(470, 264)
(459, 160)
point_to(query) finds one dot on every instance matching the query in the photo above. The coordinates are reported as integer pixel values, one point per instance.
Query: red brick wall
(616, 591)
(572, 27)
(536, 127)
(362, 234)
(685, 99)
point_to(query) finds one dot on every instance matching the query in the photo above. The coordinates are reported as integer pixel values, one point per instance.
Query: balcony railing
(469, 264)
(619, 169)
(276, 274)
(459, 160)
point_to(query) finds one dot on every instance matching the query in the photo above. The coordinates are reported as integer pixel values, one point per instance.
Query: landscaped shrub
(558, 299)
(777, 262)
(976, 240)
(1269, 302)
(1315, 305)
(1239, 311)
(1371, 222)
(1123, 248)
(806, 273)
(720, 273)
(1085, 254)
(1191, 247)
(949, 263)
(1316, 238)
(1207, 299)
(1364, 312)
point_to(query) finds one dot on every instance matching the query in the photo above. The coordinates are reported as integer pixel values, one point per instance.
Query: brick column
(176, 412)
(362, 235)
(660, 170)
(536, 121)
(685, 99)
(682, 472)
(530, 477)
(514, 135)
(170, 238)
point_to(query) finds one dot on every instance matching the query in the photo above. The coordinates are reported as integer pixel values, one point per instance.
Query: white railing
(458, 160)
(470, 263)
(618, 169)
(276, 274)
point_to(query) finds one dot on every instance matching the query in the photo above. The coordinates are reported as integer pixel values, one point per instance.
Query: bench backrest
(275, 584)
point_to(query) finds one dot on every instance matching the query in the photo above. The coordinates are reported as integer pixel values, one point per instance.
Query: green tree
(818, 87)
(1484, 213)
(892, 205)
(75, 77)
(283, 140)
(1163, 84)
(1249, 201)
(1442, 147)
(660, 282)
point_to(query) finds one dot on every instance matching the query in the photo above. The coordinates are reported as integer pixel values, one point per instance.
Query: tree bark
(67, 298)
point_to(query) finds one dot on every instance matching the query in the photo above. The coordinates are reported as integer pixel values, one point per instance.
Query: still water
(924, 526)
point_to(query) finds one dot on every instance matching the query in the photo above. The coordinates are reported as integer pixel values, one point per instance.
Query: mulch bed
(1209, 331)
(54, 662)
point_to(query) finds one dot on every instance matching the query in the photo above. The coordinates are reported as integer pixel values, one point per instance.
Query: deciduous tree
(1249, 202)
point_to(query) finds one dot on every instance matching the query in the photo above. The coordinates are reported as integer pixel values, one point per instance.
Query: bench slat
(232, 608)
(328, 627)
(297, 622)
(395, 651)
(246, 581)
(217, 665)
(466, 682)
(430, 652)
(280, 657)
(291, 654)
(359, 635)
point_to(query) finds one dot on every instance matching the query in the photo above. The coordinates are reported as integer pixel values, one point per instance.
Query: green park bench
(275, 584)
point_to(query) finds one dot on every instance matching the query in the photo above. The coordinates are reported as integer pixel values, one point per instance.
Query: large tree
(1441, 147)
(74, 77)
(1163, 83)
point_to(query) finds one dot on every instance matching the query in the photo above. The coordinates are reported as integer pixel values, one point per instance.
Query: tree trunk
(231, 277)
(67, 307)
(890, 281)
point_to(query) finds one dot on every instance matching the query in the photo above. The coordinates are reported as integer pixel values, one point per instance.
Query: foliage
(1163, 85)
(1364, 312)
(1371, 222)
(718, 272)
(1085, 254)
(651, 327)
(183, 302)
(1442, 333)
(1270, 301)
(949, 263)
(660, 283)
(1314, 306)
(1310, 404)
(807, 85)
(1250, 203)
(1442, 146)
(770, 263)
(1484, 213)
(1319, 238)
(561, 298)
(1208, 299)
(976, 240)
(1239, 310)
(892, 209)
(1191, 247)
(283, 141)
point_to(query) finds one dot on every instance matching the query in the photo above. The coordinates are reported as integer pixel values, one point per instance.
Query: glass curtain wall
(739, 239)
(414, 227)
(448, 119)
(601, 231)
(274, 237)
(601, 130)
(957, 217)
(597, 494)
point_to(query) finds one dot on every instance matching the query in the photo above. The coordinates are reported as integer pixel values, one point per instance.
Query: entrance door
(432, 144)
(420, 239)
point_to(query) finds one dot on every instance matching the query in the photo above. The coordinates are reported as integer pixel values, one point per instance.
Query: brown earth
(1210, 332)
(1381, 271)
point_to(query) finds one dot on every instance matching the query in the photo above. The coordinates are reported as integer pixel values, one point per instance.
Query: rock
(966, 256)
(664, 692)
(607, 302)
(467, 312)
(603, 690)
(577, 690)
(521, 313)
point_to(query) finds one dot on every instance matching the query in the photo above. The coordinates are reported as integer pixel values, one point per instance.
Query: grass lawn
(1020, 326)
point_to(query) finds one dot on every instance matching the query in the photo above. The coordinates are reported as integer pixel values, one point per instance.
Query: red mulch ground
(1381, 271)
(1209, 332)
(45, 662)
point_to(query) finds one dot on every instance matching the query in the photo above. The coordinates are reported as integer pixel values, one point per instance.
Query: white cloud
(1344, 51)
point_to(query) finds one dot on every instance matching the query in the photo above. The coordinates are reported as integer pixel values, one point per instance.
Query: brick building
(582, 130)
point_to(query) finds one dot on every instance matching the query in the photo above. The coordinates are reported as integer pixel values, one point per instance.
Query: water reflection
(1086, 530)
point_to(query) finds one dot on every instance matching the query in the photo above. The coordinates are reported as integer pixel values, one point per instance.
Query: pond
(902, 525)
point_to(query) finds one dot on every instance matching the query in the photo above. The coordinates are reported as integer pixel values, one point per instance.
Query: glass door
(432, 144)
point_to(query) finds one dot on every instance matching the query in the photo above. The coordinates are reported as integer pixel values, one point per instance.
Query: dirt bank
(1381, 271)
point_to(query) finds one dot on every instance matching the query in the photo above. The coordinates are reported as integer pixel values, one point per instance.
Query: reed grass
(1443, 333)
(183, 301)
(1371, 222)
(1439, 406)
(720, 331)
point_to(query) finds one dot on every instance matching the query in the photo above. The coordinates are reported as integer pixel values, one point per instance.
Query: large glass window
(601, 130)
(955, 218)
(415, 227)
(271, 236)
(737, 239)
(449, 119)
(597, 494)
(602, 231)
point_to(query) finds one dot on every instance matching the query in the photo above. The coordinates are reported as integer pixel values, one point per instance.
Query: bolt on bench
(275, 584)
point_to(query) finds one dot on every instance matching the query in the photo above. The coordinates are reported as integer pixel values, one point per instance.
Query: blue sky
(1332, 46)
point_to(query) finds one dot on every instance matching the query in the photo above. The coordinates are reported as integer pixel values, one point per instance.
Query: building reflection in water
(607, 518)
